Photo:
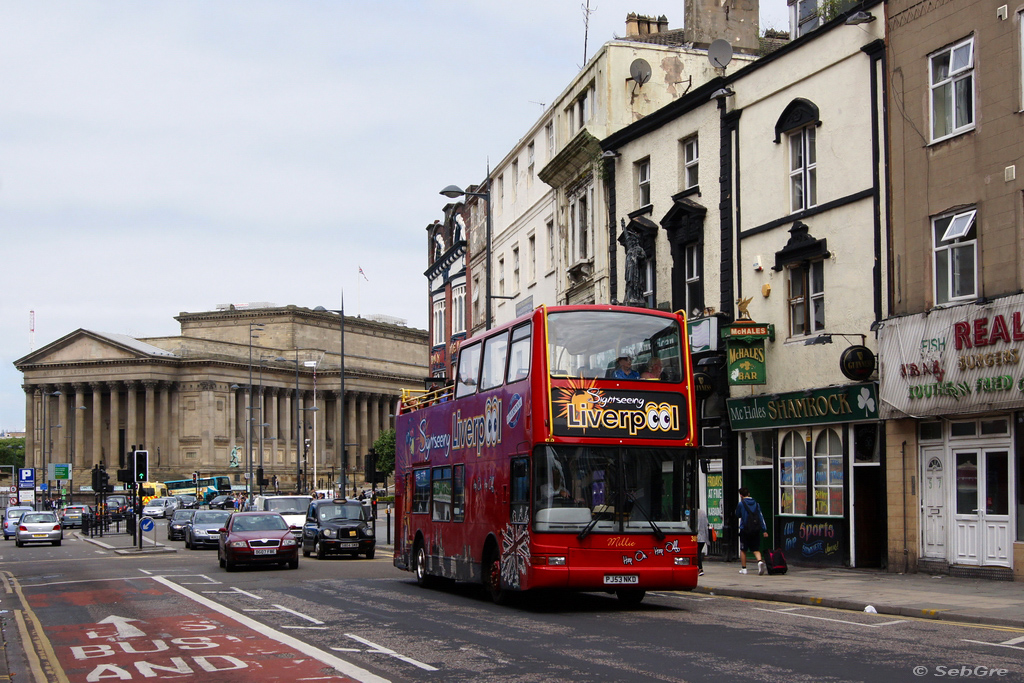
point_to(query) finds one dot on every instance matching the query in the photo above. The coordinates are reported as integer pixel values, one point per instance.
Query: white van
(292, 508)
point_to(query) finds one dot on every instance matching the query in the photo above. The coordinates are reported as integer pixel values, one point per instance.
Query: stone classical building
(190, 399)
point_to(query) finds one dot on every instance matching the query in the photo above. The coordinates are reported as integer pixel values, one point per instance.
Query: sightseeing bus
(203, 488)
(548, 462)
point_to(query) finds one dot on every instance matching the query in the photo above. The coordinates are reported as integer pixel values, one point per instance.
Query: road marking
(233, 591)
(788, 612)
(305, 648)
(1012, 643)
(380, 649)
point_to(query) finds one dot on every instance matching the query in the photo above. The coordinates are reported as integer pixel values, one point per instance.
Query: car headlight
(238, 544)
(328, 533)
(287, 542)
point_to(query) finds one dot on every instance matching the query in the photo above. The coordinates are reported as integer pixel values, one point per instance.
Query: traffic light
(259, 477)
(141, 465)
(104, 482)
(195, 477)
(96, 479)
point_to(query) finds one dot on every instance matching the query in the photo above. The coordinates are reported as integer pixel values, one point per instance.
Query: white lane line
(380, 649)
(298, 614)
(839, 621)
(233, 591)
(1011, 644)
(306, 628)
(347, 668)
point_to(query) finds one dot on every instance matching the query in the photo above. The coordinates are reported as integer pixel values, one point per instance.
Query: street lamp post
(249, 407)
(453, 192)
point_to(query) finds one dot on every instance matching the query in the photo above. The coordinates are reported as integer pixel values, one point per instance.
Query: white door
(983, 478)
(933, 503)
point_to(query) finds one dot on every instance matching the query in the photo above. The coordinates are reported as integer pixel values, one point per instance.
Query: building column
(96, 442)
(206, 455)
(364, 433)
(131, 420)
(149, 426)
(273, 430)
(164, 420)
(174, 409)
(289, 426)
(114, 424)
(351, 434)
(61, 425)
(30, 424)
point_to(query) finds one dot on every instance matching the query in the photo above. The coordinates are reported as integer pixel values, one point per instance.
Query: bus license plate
(610, 579)
(348, 545)
(264, 551)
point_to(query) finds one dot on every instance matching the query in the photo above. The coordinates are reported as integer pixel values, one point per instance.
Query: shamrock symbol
(864, 399)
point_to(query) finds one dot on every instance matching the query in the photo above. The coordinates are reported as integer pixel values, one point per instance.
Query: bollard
(389, 524)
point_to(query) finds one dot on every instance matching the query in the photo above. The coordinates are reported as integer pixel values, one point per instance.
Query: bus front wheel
(492, 582)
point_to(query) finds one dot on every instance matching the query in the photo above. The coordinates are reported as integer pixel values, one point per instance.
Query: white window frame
(643, 182)
(692, 275)
(944, 87)
(822, 457)
(549, 135)
(439, 322)
(958, 239)
(802, 303)
(550, 234)
(513, 189)
(581, 206)
(515, 269)
(803, 168)
(691, 162)
(458, 309)
(531, 241)
(501, 276)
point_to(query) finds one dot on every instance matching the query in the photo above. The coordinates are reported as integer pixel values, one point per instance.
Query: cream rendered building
(189, 399)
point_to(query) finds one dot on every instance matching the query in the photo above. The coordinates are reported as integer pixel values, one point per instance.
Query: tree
(12, 452)
(384, 447)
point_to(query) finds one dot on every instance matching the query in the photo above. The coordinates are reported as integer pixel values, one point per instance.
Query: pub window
(459, 493)
(793, 475)
(421, 491)
(441, 494)
(757, 448)
(828, 474)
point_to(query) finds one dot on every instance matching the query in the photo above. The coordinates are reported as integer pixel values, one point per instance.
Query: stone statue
(636, 257)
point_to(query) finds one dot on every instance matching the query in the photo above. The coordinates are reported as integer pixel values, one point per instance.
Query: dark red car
(257, 538)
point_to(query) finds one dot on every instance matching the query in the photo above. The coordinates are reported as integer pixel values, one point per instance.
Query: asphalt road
(158, 617)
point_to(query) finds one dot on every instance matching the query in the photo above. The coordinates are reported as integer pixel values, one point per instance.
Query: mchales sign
(847, 403)
(954, 360)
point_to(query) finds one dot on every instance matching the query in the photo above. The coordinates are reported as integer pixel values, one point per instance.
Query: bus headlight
(557, 561)
(682, 561)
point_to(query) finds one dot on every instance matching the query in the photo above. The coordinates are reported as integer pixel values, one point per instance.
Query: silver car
(38, 527)
(11, 517)
(160, 507)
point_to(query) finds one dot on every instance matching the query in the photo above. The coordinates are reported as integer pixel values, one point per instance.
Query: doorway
(982, 506)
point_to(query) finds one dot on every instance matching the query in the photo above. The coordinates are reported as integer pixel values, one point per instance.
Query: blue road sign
(147, 524)
(44, 486)
(27, 477)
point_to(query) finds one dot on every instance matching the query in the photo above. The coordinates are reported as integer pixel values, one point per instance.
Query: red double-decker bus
(563, 455)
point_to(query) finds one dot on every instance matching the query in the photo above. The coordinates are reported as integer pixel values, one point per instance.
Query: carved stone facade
(189, 399)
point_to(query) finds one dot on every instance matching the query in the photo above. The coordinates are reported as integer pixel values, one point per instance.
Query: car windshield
(206, 517)
(331, 513)
(38, 518)
(287, 506)
(259, 523)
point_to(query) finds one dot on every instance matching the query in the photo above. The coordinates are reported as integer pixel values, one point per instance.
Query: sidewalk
(975, 601)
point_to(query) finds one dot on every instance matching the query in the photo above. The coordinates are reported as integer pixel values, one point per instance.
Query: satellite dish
(720, 53)
(640, 71)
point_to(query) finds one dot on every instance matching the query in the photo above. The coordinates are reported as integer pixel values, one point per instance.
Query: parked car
(222, 503)
(38, 527)
(11, 518)
(176, 526)
(187, 501)
(160, 507)
(203, 530)
(338, 526)
(117, 506)
(257, 538)
(292, 508)
(73, 515)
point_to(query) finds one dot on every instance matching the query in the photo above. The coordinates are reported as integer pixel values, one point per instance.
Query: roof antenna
(586, 28)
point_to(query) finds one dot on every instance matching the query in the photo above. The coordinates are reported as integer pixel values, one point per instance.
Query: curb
(858, 606)
(158, 549)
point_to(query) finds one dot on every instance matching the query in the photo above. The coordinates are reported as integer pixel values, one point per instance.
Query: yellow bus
(148, 490)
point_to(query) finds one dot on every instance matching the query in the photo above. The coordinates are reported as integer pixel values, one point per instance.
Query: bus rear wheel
(424, 579)
(630, 596)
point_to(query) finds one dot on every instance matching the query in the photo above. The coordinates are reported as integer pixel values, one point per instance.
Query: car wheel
(18, 543)
(369, 554)
(188, 544)
(56, 542)
(305, 551)
(293, 563)
(220, 560)
(229, 565)
(321, 552)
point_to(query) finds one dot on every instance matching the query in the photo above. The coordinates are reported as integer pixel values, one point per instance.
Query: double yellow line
(42, 660)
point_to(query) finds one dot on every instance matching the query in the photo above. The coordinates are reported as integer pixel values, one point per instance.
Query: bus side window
(519, 502)
(519, 354)
(495, 353)
(469, 370)
(421, 491)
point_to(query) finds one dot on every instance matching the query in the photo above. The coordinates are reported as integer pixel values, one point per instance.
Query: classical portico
(189, 399)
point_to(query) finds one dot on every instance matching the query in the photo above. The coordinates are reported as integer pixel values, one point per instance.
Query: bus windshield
(589, 344)
(612, 490)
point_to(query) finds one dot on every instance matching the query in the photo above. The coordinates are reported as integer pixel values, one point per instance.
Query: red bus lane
(140, 629)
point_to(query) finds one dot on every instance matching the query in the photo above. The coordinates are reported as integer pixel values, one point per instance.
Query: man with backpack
(752, 526)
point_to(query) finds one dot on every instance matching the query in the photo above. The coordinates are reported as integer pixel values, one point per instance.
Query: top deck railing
(417, 399)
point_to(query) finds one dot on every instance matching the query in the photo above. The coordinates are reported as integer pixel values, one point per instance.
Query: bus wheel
(422, 577)
(492, 579)
(631, 596)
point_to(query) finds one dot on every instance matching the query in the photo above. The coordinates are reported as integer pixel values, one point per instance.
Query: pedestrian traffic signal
(141, 465)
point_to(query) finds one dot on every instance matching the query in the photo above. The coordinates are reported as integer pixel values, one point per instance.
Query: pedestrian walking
(752, 528)
(702, 539)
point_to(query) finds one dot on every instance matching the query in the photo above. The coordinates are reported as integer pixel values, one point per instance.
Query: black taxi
(338, 526)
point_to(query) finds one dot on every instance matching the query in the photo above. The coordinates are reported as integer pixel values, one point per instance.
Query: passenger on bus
(653, 369)
(625, 369)
(553, 492)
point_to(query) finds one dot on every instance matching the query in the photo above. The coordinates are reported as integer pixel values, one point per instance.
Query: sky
(168, 156)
